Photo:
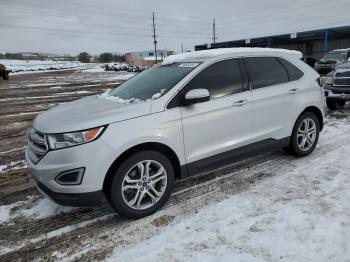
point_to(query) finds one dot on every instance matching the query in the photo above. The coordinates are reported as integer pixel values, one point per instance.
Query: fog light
(71, 177)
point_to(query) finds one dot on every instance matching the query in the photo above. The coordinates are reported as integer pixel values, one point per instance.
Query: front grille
(341, 82)
(37, 145)
(343, 74)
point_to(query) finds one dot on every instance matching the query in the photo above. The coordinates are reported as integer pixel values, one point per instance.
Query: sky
(73, 26)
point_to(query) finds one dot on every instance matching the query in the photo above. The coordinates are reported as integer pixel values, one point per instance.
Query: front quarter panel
(163, 127)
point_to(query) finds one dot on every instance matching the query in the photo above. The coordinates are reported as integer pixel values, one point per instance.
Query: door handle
(240, 102)
(293, 91)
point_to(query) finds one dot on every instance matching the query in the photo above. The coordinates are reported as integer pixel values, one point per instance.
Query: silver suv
(192, 113)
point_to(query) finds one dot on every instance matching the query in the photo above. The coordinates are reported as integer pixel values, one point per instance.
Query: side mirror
(196, 96)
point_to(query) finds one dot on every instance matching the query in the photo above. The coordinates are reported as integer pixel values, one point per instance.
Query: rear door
(224, 122)
(275, 96)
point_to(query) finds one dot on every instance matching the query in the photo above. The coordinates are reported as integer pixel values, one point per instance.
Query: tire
(298, 137)
(341, 103)
(128, 182)
(332, 104)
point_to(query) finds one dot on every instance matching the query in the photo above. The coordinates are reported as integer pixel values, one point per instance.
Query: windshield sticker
(188, 64)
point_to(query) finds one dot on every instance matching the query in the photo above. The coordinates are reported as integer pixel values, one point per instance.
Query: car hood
(344, 66)
(87, 113)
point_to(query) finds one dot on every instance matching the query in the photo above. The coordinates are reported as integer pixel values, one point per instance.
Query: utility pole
(154, 38)
(214, 32)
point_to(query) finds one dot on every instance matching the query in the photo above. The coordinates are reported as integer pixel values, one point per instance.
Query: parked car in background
(191, 114)
(330, 60)
(4, 73)
(122, 67)
(310, 61)
(337, 87)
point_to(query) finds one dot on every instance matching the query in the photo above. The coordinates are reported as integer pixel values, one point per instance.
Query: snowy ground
(301, 214)
(272, 207)
(22, 66)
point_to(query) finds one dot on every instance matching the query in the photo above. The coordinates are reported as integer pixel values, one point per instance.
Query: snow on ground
(17, 66)
(302, 214)
(34, 208)
(2, 167)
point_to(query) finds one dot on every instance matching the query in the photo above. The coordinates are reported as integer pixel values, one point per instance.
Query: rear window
(294, 73)
(266, 71)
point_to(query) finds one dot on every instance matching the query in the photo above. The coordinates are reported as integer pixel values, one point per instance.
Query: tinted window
(294, 73)
(221, 79)
(266, 71)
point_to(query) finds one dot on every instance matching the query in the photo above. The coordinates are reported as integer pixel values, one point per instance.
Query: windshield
(153, 82)
(335, 56)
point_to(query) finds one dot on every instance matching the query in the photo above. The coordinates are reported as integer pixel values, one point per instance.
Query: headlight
(329, 80)
(57, 141)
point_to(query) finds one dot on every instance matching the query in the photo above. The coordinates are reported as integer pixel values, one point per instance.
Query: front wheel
(305, 135)
(142, 184)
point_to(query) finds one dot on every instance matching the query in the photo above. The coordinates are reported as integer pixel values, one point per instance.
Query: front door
(214, 128)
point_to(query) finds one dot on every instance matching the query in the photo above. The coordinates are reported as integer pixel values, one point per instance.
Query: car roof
(201, 56)
(341, 50)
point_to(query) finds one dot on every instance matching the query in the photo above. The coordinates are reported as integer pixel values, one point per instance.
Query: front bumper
(75, 200)
(337, 92)
(96, 157)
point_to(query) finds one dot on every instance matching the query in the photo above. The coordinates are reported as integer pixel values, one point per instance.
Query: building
(314, 43)
(313, 27)
(146, 58)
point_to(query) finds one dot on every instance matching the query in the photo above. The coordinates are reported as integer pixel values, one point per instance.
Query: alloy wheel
(306, 134)
(144, 184)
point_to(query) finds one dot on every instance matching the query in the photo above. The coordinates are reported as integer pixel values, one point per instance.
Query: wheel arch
(317, 112)
(156, 146)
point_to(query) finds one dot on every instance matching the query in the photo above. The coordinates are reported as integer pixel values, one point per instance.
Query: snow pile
(17, 66)
(32, 208)
(5, 212)
(300, 215)
(107, 95)
(225, 51)
(2, 167)
(46, 208)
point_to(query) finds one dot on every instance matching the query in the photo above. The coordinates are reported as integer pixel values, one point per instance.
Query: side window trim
(279, 61)
(245, 75)
(179, 92)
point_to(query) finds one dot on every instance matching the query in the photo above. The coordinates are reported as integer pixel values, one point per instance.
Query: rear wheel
(305, 135)
(142, 184)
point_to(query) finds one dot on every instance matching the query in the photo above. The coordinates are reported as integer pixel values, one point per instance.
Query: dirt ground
(92, 233)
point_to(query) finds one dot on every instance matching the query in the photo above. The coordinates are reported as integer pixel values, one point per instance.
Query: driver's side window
(221, 79)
